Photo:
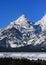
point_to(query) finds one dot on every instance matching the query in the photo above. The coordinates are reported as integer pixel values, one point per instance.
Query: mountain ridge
(23, 33)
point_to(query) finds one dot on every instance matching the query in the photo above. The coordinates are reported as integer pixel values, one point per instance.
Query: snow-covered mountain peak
(42, 23)
(21, 18)
(19, 22)
(22, 21)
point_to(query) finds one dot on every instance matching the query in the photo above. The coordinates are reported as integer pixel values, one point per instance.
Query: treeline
(11, 61)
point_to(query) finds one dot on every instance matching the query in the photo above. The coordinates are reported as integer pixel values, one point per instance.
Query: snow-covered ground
(28, 55)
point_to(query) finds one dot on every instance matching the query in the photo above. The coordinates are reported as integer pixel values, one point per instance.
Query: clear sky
(10, 10)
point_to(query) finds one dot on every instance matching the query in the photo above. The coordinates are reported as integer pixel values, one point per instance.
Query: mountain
(23, 35)
(42, 23)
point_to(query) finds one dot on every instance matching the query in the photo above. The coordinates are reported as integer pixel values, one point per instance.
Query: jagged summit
(42, 22)
(21, 21)
(22, 16)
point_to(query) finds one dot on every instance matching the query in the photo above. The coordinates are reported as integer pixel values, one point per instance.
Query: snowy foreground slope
(23, 35)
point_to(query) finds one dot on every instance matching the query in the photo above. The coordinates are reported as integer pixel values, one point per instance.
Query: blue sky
(10, 10)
